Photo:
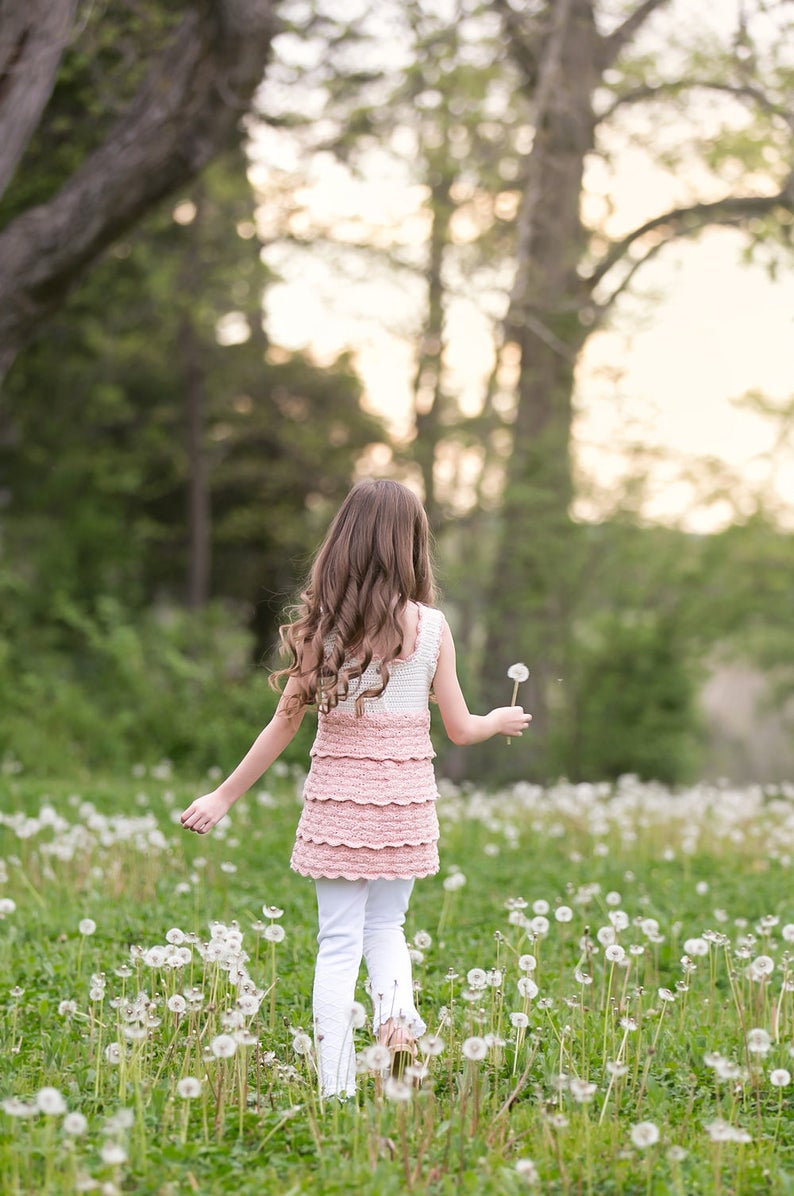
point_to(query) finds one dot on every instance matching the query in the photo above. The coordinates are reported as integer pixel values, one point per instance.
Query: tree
(184, 108)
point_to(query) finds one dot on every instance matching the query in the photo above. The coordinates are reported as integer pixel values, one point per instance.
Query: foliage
(106, 689)
(685, 1026)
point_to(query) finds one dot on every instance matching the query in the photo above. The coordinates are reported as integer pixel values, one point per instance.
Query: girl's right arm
(461, 726)
(203, 813)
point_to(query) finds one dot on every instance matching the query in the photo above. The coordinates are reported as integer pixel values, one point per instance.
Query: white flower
(527, 963)
(787, 932)
(358, 1015)
(720, 1130)
(175, 936)
(397, 1090)
(644, 1134)
(113, 1052)
(67, 1008)
(527, 1171)
(665, 994)
(758, 1042)
(563, 913)
(15, 1107)
(606, 935)
(75, 1124)
(697, 946)
(519, 1020)
(581, 1090)
(617, 1069)
(527, 987)
(272, 911)
(431, 1044)
(274, 934)
(477, 978)
(475, 1048)
(539, 925)
(615, 953)
(177, 1003)
(302, 1043)
(113, 1154)
(377, 1057)
(50, 1100)
(780, 1077)
(455, 880)
(518, 673)
(541, 906)
(189, 1087)
(619, 919)
(422, 940)
(223, 1046)
(87, 926)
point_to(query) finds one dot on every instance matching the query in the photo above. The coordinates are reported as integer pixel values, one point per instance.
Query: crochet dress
(369, 800)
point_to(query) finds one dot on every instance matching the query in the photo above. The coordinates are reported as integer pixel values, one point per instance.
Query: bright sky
(704, 330)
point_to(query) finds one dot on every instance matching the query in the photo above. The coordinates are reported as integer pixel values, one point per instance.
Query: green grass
(112, 852)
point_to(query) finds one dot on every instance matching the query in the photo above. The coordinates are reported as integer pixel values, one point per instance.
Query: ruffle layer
(374, 736)
(371, 782)
(321, 860)
(344, 824)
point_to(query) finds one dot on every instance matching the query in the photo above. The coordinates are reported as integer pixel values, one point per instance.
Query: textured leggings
(359, 917)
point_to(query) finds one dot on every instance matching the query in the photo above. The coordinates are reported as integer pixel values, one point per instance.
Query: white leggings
(359, 917)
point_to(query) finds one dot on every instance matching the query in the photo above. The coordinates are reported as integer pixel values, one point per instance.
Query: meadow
(606, 973)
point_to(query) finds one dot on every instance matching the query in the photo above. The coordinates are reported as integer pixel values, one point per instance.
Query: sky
(703, 329)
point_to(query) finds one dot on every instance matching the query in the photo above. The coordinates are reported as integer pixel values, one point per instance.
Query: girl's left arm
(203, 813)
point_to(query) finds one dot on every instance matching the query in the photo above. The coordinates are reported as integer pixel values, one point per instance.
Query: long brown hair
(374, 559)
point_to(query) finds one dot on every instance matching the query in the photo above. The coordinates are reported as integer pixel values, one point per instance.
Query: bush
(107, 690)
(634, 706)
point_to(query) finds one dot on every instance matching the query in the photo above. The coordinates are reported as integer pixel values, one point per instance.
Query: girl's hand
(203, 813)
(510, 720)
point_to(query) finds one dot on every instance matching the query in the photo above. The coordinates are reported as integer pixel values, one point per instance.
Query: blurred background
(533, 259)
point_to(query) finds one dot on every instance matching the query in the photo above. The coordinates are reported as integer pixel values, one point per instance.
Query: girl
(367, 646)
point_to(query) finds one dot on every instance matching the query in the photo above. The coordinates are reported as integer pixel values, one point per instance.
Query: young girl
(367, 646)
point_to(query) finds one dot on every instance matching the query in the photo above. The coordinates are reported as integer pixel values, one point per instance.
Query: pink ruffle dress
(370, 797)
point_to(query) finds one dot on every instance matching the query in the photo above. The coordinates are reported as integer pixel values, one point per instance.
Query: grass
(558, 958)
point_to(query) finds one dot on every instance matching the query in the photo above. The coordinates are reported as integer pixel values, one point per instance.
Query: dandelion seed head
(615, 953)
(397, 1090)
(563, 913)
(644, 1134)
(581, 1090)
(86, 926)
(474, 1048)
(758, 1041)
(519, 1020)
(113, 1154)
(527, 1171)
(274, 933)
(189, 1087)
(518, 672)
(431, 1044)
(302, 1043)
(423, 940)
(75, 1125)
(780, 1077)
(223, 1046)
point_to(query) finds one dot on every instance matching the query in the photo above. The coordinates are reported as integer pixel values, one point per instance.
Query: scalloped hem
(357, 844)
(401, 799)
(363, 876)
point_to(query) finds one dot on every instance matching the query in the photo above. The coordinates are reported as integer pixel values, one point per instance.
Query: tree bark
(526, 606)
(183, 115)
(198, 486)
(33, 35)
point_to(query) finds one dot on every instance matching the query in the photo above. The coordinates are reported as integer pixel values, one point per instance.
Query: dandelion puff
(665, 994)
(519, 1020)
(527, 987)
(50, 1100)
(615, 953)
(758, 1041)
(431, 1044)
(475, 1048)
(644, 1134)
(177, 1003)
(113, 1154)
(617, 1069)
(780, 1077)
(189, 1087)
(527, 963)
(477, 978)
(15, 1107)
(87, 926)
(302, 1043)
(677, 1154)
(272, 911)
(75, 1124)
(526, 1170)
(422, 940)
(223, 1046)
(397, 1090)
(358, 1015)
(113, 1052)
(377, 1057)
(67, 1008)
(563, 913)
(274, 933)
(581, 1090)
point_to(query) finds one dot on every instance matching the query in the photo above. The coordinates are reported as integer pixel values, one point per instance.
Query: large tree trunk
(184, 114)
(526, 612)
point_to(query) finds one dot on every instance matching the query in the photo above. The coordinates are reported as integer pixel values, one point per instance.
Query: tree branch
(747, 91)
(612, 46)
(684, 221)
(32, 40)
(525, 49)
(183, 115)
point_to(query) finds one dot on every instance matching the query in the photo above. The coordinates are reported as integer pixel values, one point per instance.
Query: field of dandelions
(606, 973)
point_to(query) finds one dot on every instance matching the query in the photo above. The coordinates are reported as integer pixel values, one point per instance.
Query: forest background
(167, 465)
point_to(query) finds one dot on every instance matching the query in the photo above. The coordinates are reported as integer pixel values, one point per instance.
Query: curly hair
(374, 560)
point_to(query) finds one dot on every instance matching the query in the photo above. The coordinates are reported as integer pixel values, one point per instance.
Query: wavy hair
(374, 559)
